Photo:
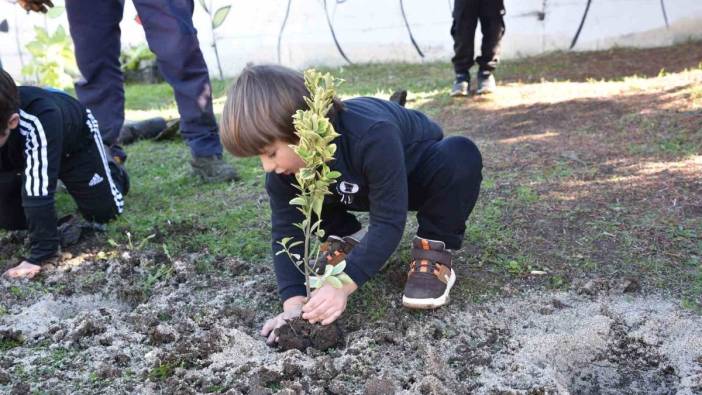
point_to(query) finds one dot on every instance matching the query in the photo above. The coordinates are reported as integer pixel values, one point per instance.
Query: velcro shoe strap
(443, 257)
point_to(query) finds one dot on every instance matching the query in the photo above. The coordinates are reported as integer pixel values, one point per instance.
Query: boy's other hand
(23, 270)
(36, 5)
(292, 308)
(327, 304)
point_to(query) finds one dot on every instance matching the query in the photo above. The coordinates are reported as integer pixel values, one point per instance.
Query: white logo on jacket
(347, 190)
(95, 180)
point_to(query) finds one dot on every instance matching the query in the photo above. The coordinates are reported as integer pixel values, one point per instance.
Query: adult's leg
(94, 26)
(445, 188)
(465, 20)
(492, 25)
(172, 37)
(97, 185)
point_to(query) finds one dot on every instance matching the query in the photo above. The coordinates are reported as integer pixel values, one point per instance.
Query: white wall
(375, 31)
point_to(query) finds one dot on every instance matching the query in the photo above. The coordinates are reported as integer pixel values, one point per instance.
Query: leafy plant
(217, 18)
(136, 57)
(53, 62)
(316, 149)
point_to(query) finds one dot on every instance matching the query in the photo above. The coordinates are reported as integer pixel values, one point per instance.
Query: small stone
(162, 334)
(121, 359)
(21, 389)
(558, 304)
(5, 377)
(376, 386)
(630, 285)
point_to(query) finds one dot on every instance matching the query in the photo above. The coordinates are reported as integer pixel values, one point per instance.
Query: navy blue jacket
(379, 146)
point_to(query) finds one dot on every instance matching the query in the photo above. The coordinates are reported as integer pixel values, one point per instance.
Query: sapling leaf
(298, 201)
(295, 243)
(339, 268)
(315, 282)
(219, 16)
(344, 278)
(328, 270)
(333, 281)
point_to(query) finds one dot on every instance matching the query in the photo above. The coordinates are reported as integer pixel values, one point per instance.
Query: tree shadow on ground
(589, 186)
(613, 64)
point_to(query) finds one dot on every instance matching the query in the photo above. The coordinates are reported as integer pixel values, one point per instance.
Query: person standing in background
(171, 35)
(466, 14)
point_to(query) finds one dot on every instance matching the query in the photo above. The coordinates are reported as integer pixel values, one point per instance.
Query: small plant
(217, 18)
(136, 58)
(316, 149)
(53, 62)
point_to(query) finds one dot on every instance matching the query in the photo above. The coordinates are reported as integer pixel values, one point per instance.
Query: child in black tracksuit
(46, 136)
(392, 160)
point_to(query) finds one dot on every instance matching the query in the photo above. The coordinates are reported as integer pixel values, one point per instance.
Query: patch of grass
(163, 371)
(8, 344)
(3, 310)
(527, 195)
(160, 273)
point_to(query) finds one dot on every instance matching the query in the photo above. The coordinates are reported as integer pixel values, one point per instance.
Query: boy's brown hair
(260, 106)
(9, 99)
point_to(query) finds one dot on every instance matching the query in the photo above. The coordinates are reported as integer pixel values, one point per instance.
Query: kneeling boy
(46, 136)
(391, 159)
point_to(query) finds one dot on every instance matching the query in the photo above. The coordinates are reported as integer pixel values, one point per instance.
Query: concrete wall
(375, 30)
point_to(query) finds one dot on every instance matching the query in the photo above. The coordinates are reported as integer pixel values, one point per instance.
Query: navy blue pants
(442, 190)
(172, 37)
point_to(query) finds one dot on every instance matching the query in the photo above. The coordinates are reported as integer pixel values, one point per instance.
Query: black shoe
(486, 82)
(399, 97)
(430, 277)
(137, 130)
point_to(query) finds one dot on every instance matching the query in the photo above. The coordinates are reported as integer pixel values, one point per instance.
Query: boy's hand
(36, 5)
(23, 270)
(327, 304)
(292, 308)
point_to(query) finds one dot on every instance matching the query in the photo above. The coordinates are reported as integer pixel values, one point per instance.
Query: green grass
(517, 226)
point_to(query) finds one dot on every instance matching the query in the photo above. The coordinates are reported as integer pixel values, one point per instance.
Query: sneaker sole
(459, 94)
(426, 304)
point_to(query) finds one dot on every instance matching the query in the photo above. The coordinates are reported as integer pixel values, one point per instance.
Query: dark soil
(299, 334)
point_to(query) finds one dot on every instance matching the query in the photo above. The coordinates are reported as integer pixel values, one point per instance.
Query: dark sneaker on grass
(430, 277)
(334, 250)
(486, 82)
(213, 169)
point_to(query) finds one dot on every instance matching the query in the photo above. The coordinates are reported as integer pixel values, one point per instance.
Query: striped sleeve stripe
(95, 130)
(37, 169)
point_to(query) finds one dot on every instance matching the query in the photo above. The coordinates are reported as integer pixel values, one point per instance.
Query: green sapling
(316, 149)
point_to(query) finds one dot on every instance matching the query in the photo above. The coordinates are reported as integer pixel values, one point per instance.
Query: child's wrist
(349, 288)
(293, 302)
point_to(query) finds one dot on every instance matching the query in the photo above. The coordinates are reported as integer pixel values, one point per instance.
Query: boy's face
(280, 158)
(11, 124)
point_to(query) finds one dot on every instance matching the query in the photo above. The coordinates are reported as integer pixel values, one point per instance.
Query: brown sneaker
(334, 250)
(430, 277)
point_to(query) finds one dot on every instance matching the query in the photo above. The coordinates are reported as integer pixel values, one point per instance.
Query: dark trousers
(171, 35)
(442, 190)
(96, 185)
(466, 14)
